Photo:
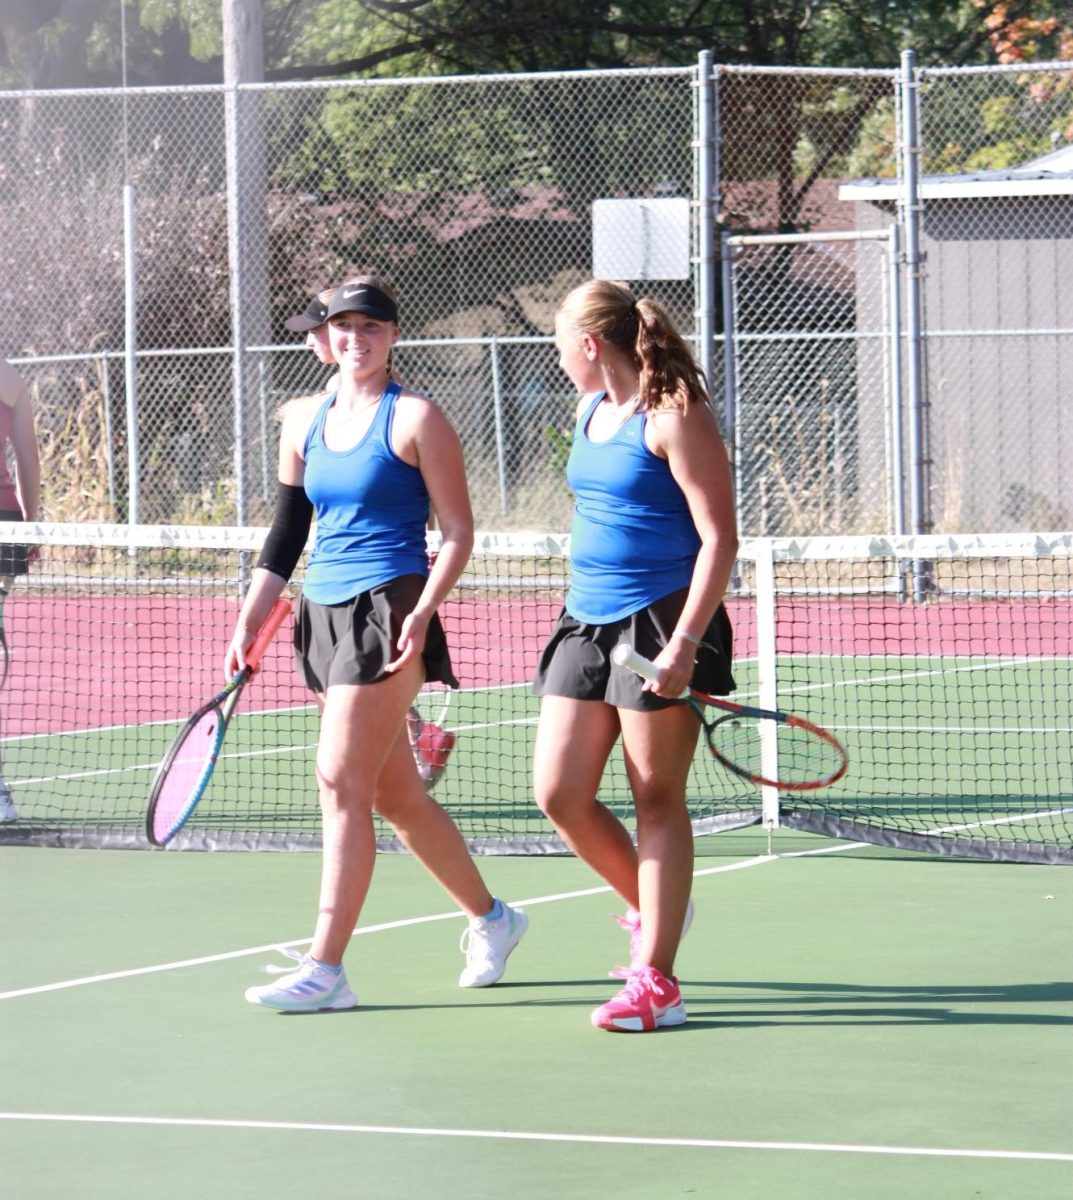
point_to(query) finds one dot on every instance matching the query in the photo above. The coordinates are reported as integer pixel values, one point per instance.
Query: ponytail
(669, 376)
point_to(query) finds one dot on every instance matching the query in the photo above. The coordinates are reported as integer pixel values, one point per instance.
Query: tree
(52, 43)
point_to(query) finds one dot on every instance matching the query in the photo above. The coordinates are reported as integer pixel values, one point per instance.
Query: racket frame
(626, 656)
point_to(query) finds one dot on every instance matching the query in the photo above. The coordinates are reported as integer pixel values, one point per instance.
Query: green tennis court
(862, 1022)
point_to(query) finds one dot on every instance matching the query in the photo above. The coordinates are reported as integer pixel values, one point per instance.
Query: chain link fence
(998, 235)
(155, 240)
(816, 438)
(474, 196)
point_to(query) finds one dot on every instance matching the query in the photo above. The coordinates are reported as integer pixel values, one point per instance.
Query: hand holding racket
(808, 756)
(183, 776)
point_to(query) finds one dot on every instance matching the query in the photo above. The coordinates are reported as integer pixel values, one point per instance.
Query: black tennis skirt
(576, 661)
(352, 642)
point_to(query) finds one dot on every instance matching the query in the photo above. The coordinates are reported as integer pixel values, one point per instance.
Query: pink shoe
(648, 1001)
(632, 922)
(432, 747)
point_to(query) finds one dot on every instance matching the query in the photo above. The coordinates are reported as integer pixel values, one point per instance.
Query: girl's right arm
(286, 538)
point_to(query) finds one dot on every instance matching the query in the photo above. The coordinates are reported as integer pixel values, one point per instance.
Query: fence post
(704, 151)
(910, 205)
(910, 213)
(497, 408)
(897, 452)
(730, 381)
(130, 355)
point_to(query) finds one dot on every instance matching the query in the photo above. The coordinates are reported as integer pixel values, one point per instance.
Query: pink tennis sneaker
(648, 1001)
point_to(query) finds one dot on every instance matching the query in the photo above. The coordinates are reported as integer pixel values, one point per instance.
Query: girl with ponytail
(653, 543)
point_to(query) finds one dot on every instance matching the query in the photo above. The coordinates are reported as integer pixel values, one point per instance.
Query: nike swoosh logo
(352, 293)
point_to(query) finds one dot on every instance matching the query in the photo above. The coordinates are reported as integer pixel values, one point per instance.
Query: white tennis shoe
(8, 811)
(487, 944)
(309, 988)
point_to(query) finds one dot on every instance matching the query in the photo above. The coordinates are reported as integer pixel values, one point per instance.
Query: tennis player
(652, 546)
(368, 460)
(313, 322)
(20, 499)
(431, 746)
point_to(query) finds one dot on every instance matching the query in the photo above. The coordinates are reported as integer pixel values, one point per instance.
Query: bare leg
(574, 739)
(360, 725)
(659, 750)
(428, 832)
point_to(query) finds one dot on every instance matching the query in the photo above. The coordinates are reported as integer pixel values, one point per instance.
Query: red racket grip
(281, 610)
(627, 656)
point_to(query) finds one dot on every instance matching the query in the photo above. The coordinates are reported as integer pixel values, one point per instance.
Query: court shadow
(319, 1012)
(721, 1004)
(782, 1003)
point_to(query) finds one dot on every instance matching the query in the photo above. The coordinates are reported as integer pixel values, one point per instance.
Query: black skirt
(352, 642)
(576, 661)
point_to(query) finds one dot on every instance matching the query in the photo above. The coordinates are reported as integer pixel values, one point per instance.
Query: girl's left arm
(698, 460)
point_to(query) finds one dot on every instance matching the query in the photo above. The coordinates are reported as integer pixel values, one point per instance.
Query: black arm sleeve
(290, 528)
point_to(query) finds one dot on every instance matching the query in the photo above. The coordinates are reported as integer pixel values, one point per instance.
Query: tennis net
(944, 664)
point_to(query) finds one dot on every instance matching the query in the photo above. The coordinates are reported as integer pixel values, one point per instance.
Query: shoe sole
(675, 1015)
(339, 1004)
(522, 926)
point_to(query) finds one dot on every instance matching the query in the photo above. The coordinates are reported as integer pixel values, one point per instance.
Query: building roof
(1049, 175)
(960, 187)
(1057, 160)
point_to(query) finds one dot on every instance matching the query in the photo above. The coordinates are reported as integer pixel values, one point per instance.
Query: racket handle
(627, 656)
(281, 610)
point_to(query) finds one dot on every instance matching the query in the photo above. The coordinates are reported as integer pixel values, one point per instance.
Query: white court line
(361, 931)
(590, 1139)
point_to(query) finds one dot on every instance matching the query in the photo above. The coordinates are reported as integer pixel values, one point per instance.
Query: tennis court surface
(880, 998)
(862, 1022)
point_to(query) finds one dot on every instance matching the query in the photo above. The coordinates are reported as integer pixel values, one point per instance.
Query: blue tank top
(633, 540)
(371, 510)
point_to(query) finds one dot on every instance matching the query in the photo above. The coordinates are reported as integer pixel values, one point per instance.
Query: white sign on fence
(643, 238)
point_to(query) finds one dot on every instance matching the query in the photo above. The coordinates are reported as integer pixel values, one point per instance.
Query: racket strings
(183, 775)
(780, 753)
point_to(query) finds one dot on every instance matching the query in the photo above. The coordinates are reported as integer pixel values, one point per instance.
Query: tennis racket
(183, 776)
(6, 582)
(808, 756)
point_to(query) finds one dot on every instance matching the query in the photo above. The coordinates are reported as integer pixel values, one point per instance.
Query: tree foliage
(51, 43)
